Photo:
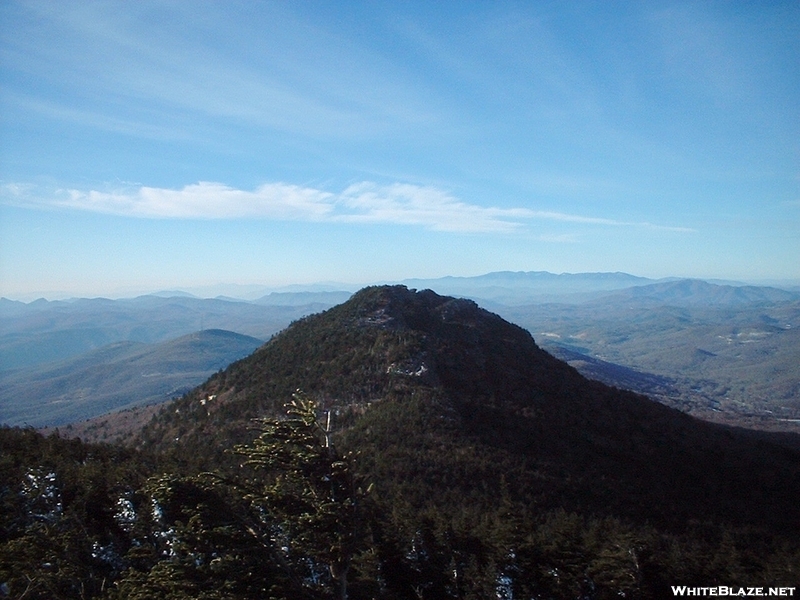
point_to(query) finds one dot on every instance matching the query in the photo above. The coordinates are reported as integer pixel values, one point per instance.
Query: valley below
(728, 365)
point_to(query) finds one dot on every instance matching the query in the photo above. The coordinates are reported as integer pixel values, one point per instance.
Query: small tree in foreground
(309, 493)
(290, 523)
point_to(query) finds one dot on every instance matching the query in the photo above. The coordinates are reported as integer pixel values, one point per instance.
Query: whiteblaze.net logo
(724, 590)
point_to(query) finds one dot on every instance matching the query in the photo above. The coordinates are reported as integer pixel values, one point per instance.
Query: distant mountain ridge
(120, 375)
(696, 292)
(607, 280)
(520, 287)
(536, 287)
(323, 299)
(42, 331)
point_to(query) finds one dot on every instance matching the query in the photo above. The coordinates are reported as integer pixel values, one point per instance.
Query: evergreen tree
(310, 493)
(290, 523)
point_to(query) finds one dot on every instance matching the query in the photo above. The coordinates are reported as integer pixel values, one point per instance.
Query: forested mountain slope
(450, 374)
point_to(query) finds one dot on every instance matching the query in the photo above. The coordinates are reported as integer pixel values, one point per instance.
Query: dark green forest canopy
(90, 525)
(493, 470)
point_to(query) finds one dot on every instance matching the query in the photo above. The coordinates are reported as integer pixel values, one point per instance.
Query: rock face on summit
(439, 394)
(466, 350)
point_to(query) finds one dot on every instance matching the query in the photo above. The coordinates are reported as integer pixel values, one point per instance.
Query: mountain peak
(383, 341)
(398, 307)
(450, 374)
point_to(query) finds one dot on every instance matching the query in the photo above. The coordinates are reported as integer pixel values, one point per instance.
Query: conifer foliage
(310, 494)
(291, 522)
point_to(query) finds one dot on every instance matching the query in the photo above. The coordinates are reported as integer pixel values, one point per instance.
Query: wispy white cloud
(559, 238)
(400, 204)
(205, 200)
(557, 216)
(365, 202)
(427, 206)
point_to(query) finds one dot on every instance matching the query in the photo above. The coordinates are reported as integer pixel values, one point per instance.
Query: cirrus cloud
(364, 202)
(205, 200)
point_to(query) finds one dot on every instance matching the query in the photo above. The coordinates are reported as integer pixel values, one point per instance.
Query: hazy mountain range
(729, 353)
(118, 375)
(723, 352)
(42, 331)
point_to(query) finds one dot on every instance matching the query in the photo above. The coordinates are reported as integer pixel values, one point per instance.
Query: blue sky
(161, 145)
